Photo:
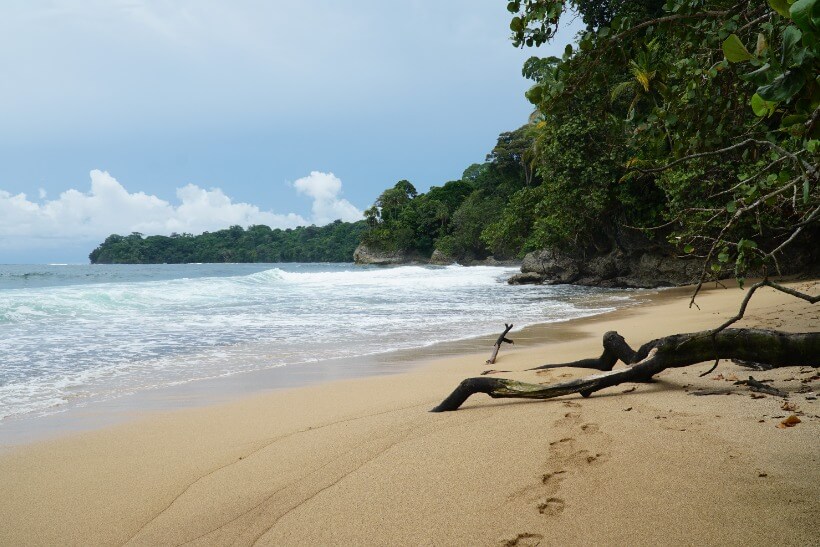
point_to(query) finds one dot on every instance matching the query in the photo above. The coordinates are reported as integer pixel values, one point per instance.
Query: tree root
(775, 348)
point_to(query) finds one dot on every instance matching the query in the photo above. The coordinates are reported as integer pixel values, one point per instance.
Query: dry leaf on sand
(791, 421)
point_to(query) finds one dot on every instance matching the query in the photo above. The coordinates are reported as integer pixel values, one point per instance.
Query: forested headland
(332, 243)
(683, 128)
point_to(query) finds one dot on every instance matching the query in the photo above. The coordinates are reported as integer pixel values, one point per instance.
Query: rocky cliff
(615, 268)
(627, 259)
(366, 255)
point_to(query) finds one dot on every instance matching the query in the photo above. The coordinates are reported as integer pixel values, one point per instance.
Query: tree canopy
(711, 113)
(332, 243)
(694, 122)
(457, 217)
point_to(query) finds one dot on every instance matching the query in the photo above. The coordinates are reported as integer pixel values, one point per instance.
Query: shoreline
(361, 461)
(199, 393)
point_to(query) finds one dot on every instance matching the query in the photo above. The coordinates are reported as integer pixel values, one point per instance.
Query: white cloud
(109, 208)
(325, 188)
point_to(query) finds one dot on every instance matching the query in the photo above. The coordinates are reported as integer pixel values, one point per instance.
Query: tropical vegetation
(332, 243)
(694, 122)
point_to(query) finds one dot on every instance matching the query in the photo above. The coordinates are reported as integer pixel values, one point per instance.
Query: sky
(164, 116)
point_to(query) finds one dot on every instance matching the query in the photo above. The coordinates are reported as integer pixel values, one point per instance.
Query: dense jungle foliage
(332, 243)
(692, 121)
(462, 218)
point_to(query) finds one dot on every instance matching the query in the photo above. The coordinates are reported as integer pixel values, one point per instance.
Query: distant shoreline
(202, 393)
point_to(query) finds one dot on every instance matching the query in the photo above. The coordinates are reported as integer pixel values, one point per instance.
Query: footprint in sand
(570, 419)
(590, 428)
(566, 452)
(569, 455)
(523, 540)
(552, 507)
(551, 477)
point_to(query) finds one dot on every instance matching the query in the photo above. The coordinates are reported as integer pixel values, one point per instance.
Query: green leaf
(723, 257)
(806, 191)
(781, 7)
(516, 25)
(793, 119)
(783, 87)
(813, 145)
(762, 108)
(731, 207)
(803, 11)
(759, 76)
(688, 249)
(734, 50)
(535, 94)
(791, 37)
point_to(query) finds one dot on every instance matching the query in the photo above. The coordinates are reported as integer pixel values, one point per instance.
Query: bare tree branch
(765, 283)
(797, 230)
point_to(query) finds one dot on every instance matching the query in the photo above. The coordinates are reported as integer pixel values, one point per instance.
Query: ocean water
(71, 335)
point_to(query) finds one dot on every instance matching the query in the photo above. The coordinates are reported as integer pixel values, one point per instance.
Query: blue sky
(188, 115)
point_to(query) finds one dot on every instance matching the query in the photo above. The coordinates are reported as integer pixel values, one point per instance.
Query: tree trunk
(778, 349)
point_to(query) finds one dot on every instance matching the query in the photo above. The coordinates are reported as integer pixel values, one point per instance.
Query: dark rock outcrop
(441, 259)
(616, 268)
(529, 278)
(489, 261)
(366, 255)
(618, 259)
(623, 258)
(380, 257)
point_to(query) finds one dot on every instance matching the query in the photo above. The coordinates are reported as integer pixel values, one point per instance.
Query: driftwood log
(497, 346)
(775, 348)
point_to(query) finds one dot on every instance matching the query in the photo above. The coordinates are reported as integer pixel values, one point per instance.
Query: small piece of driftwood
(497, 346)
(760, 387)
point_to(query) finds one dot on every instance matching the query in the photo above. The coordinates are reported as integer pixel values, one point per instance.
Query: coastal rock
(493, 261)
(378, 257)
(616, 260)
(554, 266)
(529, 278)
(614, 269)
(441, 259)
(470, 260)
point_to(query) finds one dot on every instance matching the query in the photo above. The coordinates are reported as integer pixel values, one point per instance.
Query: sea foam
(95, 332)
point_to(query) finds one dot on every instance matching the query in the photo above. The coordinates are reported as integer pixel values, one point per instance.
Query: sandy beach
(363, 462)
